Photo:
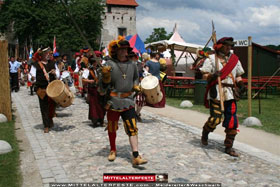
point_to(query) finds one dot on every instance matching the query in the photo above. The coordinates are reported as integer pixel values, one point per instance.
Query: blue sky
(237, 18)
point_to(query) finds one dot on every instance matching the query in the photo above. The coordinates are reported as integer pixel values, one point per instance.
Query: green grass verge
(9, 163)
(269, 116)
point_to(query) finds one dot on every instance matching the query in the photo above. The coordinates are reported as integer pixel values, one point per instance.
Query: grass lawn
(269, 116)
(9, 162)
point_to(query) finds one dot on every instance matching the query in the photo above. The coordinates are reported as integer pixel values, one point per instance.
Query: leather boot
(204, 137)
(138, 161)
(112, 156)
(230, 136)
(46, 130)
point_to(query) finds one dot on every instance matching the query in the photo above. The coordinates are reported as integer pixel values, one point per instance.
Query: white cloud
(265, 16)
(257, 18)
(190, 29)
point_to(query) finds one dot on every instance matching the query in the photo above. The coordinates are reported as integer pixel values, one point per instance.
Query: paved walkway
(74, 151)
(254, 137)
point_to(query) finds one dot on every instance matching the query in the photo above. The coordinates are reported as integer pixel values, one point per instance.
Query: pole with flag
(54, 45)
(30, 53)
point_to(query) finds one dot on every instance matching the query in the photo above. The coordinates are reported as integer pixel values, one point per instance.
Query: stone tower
(119, 19)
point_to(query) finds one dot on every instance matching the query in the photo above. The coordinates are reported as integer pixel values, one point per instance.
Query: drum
(60, 93)
(151, 89)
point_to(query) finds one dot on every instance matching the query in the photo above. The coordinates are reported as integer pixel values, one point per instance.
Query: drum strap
(44, 70)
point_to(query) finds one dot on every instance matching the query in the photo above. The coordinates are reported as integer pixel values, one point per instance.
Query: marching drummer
(95, 100)
(120, 80)
(45, 71)
(153, 67)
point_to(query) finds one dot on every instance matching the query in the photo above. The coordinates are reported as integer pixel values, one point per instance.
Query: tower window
(122, 31)
(109, 9)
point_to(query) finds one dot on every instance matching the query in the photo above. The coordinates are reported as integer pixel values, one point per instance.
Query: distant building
(119, 19)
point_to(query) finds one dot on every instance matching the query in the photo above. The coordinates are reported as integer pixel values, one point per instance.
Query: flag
(54, 45)
(30, 53)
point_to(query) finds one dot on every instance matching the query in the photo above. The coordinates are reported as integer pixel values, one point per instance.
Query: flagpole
(54, 45)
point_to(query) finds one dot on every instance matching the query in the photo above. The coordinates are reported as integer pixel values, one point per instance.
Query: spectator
(14, 74)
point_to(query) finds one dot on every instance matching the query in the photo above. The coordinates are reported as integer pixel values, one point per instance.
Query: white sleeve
(33, 71)
(208, 66)
(239, 69)
(85, 74)
(18, 65)
(77, 69)
(57, 72)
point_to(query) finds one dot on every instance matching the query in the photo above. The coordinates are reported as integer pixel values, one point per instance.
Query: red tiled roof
(122, 2)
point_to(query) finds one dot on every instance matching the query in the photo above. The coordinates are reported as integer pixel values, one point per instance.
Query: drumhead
(55, 88)
(149, 82)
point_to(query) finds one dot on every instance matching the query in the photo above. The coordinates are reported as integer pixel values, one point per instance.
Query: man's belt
(120, 95)
(228, 85)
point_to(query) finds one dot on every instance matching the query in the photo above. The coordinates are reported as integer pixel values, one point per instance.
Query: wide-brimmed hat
(226, 41)
(85, 49)
(223, 41)
(77, 54)
(98, 53)
(114, 45)
(40, 53)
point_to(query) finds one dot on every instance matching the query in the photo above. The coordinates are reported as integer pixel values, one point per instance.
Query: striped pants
(129, 121)
(230, 121)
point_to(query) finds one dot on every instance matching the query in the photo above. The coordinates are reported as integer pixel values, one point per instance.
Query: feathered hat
(223, 41)
(114, 45)
(40, 53)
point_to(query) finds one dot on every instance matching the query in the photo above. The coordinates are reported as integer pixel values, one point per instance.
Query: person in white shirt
(14, 74)
(45, 71)
(230, 71)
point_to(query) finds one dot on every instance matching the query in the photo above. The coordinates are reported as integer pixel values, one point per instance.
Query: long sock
(112, 138)
(135, 154)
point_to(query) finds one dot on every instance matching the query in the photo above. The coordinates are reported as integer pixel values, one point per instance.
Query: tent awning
(177, 46)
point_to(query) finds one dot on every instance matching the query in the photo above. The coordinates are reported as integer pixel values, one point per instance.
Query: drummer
(153, 67)
(95, 100)
(120, 80)
(45, 71)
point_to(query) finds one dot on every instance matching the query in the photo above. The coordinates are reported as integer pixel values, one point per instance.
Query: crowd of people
(112, 87)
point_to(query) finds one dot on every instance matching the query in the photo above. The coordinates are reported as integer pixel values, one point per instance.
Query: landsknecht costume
(230, 69)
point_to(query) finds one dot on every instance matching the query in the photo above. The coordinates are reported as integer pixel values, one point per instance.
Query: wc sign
(241, 43)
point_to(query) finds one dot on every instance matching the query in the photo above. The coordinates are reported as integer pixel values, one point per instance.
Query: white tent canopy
(177, 46)
(176, 42)
(185, 52)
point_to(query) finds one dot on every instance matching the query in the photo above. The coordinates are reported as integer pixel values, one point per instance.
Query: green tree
(157, 35)
(274, 47)
(40, 20)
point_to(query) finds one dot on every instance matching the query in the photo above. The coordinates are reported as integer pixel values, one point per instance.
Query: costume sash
(225, 71)
(44, 70)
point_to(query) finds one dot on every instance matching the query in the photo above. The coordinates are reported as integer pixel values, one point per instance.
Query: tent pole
(181, 56)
